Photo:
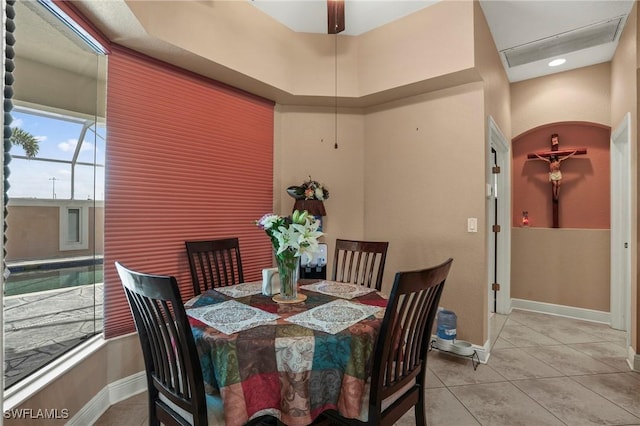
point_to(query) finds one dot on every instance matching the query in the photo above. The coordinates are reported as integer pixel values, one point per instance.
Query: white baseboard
(633, 359)
(484, 352)
(561, 310)
(109, 395)
(127, 387)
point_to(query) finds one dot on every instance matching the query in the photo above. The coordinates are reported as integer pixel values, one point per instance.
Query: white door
(620, 225)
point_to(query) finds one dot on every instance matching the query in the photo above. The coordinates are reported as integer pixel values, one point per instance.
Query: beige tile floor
(543, 370)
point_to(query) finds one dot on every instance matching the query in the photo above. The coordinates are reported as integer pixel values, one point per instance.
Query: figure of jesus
(554, 158)
(555, 175)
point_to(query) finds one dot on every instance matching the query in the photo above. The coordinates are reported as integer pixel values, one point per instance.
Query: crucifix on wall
(554, 158)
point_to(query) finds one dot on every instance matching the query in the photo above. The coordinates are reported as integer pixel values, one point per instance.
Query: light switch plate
(472, 224)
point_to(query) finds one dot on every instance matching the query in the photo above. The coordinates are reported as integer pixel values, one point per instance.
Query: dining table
(291, 361)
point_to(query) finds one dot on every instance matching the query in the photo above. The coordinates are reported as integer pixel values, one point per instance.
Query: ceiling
(34, 25)
(310, 16)
(512, 23)
(523, 23)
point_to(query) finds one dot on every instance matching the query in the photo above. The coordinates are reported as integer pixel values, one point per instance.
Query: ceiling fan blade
(335, 13)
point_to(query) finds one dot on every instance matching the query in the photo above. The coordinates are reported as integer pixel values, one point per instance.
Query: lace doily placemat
(231, 316)
(241, 290)
(338, 289)
(333, 317)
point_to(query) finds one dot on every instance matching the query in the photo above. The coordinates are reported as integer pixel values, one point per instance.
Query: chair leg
(153, 415)
(421, 417)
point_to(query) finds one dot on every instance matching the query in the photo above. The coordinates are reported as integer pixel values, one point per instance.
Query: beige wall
(416, 48)
(542, 256)
(497, 104)
(496, 85)
(390, 178)
(305, 138)
(380, 175)
(33, 229)
(386, 183)
(273, 61)
(415, 199)
(624, 98)
(578, 95)
(22, 243)
(117, 359)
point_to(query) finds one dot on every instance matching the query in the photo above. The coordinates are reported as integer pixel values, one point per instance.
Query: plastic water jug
(447, 324)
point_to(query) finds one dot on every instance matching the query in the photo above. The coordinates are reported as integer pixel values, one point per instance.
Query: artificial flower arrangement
(291, 237)
(309, 190)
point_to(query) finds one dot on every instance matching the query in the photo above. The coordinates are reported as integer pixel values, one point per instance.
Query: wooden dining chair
(400, 357)
(360, 262)
(214, 263)
(174, 376)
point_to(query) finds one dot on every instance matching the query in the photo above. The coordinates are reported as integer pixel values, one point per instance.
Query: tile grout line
(562, 375)
(601, 395)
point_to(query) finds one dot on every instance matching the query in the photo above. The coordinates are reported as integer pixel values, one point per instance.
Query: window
(54, 222)
(74, 227)
(70, 159)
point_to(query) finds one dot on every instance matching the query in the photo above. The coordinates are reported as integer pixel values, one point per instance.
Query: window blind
(9, 66)
(187, 158)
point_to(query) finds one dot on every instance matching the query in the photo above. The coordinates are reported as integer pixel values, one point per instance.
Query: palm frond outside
(26, 140)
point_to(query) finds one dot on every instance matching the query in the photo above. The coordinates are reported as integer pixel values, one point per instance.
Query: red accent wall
(187, 158)
(585, 189)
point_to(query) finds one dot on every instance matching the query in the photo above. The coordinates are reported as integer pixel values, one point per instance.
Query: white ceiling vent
(563, 43)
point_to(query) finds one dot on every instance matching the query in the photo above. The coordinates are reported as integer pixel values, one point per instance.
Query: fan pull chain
(335, 62)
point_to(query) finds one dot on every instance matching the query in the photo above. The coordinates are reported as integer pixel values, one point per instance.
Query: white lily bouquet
(291, 237)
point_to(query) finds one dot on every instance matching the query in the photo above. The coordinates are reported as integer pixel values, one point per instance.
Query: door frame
(493, 255)
(620, 282)
(502, 190)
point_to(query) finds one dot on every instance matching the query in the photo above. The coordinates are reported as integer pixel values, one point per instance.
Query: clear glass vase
(288, 269)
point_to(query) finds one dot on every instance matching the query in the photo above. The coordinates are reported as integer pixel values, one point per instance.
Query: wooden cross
(554, 158)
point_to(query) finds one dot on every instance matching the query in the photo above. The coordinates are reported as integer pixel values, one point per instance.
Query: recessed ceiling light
(557, 62)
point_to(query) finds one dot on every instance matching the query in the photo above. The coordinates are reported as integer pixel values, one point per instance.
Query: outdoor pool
(41, 280)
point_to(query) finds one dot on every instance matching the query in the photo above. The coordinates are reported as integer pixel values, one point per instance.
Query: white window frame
(83, 242)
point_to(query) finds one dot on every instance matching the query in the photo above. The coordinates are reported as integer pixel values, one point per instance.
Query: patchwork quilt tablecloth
(284, 369)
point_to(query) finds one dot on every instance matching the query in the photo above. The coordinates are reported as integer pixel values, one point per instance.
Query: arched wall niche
(585, 188)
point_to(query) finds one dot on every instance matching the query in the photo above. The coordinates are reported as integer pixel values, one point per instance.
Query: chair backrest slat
(360, 262)
(170, 355)
(214, 263)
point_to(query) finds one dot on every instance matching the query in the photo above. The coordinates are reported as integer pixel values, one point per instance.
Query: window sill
(33, 383)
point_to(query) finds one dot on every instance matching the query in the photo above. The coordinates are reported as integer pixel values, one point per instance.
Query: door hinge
(495, 287)
(495, 170)
(496, 228)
